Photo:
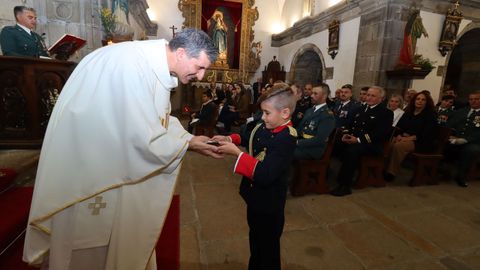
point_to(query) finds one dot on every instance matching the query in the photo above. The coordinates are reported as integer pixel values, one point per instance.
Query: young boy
(265, 171)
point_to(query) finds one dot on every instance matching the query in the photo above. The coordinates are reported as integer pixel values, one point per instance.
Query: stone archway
(464, 63)
(307, 65)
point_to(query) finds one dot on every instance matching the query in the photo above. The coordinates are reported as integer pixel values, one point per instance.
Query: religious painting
(333, 38)
(230, 24)
(222, 21)
(450, 30)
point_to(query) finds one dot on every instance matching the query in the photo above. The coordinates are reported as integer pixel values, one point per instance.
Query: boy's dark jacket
(267, 163)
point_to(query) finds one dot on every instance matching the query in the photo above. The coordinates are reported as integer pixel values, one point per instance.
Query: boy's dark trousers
(265, 232)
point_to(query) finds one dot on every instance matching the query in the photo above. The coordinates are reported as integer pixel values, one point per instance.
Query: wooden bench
(370, 172)
(310, 176)
(425, 170)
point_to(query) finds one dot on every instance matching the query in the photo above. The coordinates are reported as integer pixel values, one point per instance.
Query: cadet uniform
(467, 127)
(17, 42)
(372, 127)
(314, 129)
(264, 189)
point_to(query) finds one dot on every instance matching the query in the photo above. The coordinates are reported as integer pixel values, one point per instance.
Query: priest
(111, 156)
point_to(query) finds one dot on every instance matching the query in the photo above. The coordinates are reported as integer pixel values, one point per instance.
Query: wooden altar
(29, 88)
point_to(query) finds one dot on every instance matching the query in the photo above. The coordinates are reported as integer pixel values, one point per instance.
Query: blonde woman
(395, 104)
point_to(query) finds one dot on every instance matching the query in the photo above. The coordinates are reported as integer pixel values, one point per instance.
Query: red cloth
(7, 176)
(168, 245)
(405, 58)
(15, 206)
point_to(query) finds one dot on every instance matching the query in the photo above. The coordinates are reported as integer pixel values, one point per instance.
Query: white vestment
(109, 161)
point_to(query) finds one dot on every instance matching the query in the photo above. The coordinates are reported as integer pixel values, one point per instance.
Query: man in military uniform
(304, 103)
(465, 140)
(315, 127)
(345, 107)
(20, 40)
(365, 136)
(444, 109)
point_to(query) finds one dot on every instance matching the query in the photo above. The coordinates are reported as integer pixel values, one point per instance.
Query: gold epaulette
(292, 131)
(330, 112)
(307, 136)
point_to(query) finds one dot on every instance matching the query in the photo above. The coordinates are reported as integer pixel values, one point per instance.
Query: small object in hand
(213, 142)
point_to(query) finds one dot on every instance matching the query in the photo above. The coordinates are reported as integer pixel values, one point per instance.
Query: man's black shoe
(461, 183)
(341, 191)
(388, 177)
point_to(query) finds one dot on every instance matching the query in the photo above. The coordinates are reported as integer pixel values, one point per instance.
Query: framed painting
(230, 25)
(333, 38)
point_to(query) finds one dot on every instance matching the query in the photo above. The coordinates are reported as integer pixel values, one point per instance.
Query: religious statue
(218, 31)
(120, 10)
(414, 29)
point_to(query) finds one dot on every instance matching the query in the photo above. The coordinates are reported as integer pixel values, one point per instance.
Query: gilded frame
(333, 38)
(450, 30)
(249, 61)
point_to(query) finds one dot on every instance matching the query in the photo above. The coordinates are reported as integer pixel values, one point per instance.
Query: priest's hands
(199, 144)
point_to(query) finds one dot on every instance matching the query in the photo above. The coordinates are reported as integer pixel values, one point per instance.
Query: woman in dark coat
(415, 131)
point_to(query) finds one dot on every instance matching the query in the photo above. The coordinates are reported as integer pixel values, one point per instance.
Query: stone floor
(395, 227)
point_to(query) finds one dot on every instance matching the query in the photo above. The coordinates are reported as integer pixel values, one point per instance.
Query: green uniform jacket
(17, 42)
(313, 132)
(465, 127)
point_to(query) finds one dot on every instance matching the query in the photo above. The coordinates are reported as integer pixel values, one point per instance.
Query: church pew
(310, 176)
(371, 168)
(425, 170)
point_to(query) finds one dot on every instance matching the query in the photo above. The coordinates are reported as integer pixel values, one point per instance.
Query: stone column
(380, 39)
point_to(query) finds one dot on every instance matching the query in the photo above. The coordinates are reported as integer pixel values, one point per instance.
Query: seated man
(303, 103)
(207, 111)
(450, 91)
(409, 93)
(365, 136)
(465, 140)
(362, 95)
(20, 40)
(315, 127)
(444, 109)
(345, 107)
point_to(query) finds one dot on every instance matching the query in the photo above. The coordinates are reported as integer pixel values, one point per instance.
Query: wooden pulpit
(29, 88)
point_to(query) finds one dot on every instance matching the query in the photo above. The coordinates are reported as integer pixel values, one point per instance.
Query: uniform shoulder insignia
(330, 112)
(292, 131)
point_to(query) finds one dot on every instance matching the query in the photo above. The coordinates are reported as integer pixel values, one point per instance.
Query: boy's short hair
(281, 96)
